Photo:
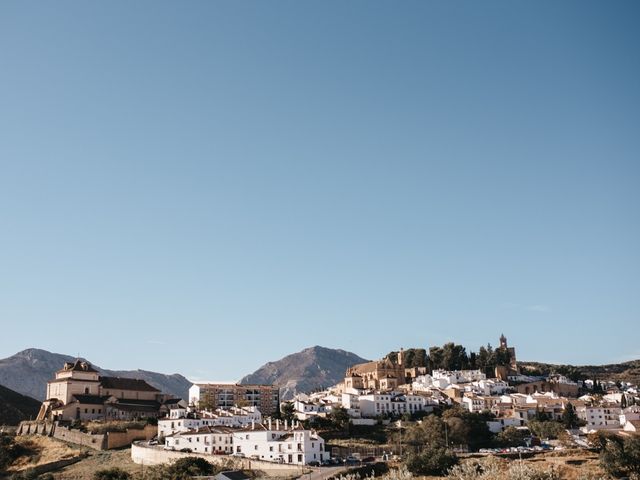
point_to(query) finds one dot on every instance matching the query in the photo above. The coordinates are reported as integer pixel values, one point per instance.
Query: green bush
(111, 474)
(431, 461)
(621, 457)
(547, 429)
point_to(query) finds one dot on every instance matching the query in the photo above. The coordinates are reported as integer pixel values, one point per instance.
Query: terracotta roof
(119, 383)
(90, 399)
(133, 408)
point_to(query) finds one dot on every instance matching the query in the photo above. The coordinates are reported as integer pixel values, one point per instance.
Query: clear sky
(203, 187)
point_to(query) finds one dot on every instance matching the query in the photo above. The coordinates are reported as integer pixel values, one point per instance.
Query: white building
(458, 376)
(500, 424)
(375, 404)
(292, 446)
(489, 387)
(600, 417)
(208, 440)
(306, 409)
(180, 420)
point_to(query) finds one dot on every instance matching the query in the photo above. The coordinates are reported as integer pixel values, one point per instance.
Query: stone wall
(123, 439)
(95, 441)
(102, 441)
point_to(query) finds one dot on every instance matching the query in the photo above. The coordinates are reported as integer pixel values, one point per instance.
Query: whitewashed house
(288, 445)
(207, 440)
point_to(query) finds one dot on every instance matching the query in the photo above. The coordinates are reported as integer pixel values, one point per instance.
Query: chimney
(269, 423)
(277, 424)
(253, 424)
(286, 424)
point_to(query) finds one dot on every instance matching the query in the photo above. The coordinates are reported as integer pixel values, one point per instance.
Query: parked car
(314, 463)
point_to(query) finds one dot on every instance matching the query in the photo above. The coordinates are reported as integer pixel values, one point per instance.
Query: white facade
(180, 421)
(296, 446)
(500, 424)
(600, 417)
(391, 403)
(489, 387)
(213, 441)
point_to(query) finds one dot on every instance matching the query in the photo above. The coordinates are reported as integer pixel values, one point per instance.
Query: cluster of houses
(241, 431)
(227, 418)
(214, 423)
(375, 390)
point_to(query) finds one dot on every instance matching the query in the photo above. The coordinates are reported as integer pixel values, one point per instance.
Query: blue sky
(204, 187)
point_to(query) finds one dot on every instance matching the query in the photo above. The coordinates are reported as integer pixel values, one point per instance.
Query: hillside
(15, 407)
(625, 372)
(311, 369)
(28, 372)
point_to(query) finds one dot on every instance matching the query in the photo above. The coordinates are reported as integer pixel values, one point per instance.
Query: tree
(288, 411)
(621, 457)
(111, 474)
(185, 468)
(435, 358)
(548, 429)
(570, 417)
(429, 433)
(511, 437)
(340, 418)
(541, 415)
(432, 461)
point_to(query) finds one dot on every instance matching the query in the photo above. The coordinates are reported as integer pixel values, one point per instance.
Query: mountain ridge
(312, 368)
(28, 371)
(15, 407)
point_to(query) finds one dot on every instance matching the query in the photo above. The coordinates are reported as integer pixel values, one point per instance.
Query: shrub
(621, 457)
(111, 474)
(431, 461)
(10, 450)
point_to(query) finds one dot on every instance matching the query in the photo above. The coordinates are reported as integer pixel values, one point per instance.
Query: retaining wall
(124, 439)
(97, 441)
(149, 455)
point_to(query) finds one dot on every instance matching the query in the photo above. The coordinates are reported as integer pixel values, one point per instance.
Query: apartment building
(212, 396)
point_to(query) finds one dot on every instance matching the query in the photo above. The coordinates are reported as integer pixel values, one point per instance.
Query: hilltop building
(383, 375)
(79, 392)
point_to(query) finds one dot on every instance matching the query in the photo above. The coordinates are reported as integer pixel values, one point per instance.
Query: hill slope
(625, 372)
(28, 372)
(15, 407)
(305, 371)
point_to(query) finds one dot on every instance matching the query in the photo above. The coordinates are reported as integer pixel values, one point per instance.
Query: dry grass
(85, 469)
(44, 450)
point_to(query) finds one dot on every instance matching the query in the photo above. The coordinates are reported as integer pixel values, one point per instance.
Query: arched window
(86, 390)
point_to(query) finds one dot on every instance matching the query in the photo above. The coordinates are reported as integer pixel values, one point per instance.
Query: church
(386, 374)
(79, 392)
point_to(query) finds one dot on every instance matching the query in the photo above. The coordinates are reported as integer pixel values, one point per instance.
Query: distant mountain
(15, 407)
(311, 369)
(28, 372)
